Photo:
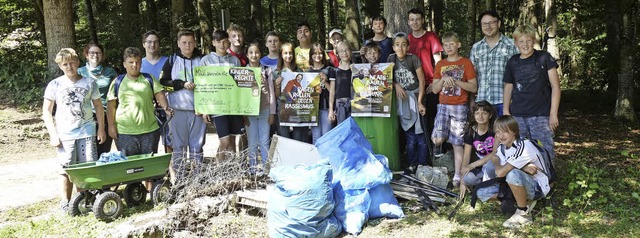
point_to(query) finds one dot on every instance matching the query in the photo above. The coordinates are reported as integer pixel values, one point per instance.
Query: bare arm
(332, 98)
(501, 170)
(111, 118)
(555, 98)
(506, 98)
(47, 117)
(421, 87)
(437, 85)
(471, 85)
(101, 136)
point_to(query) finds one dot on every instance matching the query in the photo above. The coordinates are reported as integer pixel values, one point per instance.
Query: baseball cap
(334, 31)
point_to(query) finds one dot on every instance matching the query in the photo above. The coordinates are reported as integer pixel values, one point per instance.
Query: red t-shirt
(462, 70)
(424, 47)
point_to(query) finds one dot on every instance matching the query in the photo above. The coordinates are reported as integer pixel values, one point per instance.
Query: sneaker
(437, 151)
(64, 206)
(519, 219)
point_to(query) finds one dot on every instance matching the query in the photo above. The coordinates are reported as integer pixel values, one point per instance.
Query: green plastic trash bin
(382, 133)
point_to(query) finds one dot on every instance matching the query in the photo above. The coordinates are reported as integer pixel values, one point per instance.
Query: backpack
(547, 161)
(119, 79)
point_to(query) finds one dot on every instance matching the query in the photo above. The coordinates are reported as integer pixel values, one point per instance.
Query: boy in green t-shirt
(131, 113)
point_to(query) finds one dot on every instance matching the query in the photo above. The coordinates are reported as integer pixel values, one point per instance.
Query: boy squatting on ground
(409, 85)
(131, 113)
(521, 163)
(453, 79)
(74, 129)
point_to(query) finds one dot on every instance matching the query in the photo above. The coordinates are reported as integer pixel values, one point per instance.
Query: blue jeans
(537, 128)
(518, 178)
(258, 137)
(416, 147)
(324, 125)
(499, 109)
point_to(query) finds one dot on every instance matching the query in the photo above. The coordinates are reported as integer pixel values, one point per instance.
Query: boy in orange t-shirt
(453, 79)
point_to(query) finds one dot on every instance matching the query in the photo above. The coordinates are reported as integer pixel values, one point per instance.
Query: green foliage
(27, 75)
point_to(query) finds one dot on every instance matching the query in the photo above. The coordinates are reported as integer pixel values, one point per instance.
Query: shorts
(518, 178)
(228, 125)
(137, 144)
(76, 151)
(450, 123)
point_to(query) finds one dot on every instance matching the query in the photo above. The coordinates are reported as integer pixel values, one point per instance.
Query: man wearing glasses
(489, 56)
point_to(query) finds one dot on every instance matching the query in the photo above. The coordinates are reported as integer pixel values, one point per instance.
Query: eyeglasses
(152, 42)
(487, 24)
(94, 53)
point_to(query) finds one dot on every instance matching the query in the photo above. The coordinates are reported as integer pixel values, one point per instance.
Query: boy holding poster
(226, 125)
(452, 79)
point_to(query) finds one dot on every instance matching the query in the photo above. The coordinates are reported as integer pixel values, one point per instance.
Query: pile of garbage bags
(346, 188)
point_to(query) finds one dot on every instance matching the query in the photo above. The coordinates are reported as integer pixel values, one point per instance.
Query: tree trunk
(93, 33)
(153, 14)
(490, 5)
(438, 7)
(204, 14)
(333, 13)
(352, 27)
(322, 28)
(551, 17)
(471, 22)
(529, 14)
(625, 99)
(395, 11)
(40, 20)
(58, 21)
(177, 11)
(613, 24)
(256, 18)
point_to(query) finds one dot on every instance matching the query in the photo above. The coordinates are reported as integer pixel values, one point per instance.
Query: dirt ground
(28, 173)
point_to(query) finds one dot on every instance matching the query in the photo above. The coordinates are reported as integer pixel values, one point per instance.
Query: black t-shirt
(324, 91)
(482, 144)
(531, 95)
(343, 82)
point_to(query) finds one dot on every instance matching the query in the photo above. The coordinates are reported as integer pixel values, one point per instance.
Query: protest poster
(225, 90)
(372, 90)
(298, 102)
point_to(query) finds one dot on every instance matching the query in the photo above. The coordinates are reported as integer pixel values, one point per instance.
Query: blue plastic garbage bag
(351, 157)
(352, 208)
(111, 157)
(383, 202)
(301, 203)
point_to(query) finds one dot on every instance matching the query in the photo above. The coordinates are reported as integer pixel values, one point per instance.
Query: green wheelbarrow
(97, 180)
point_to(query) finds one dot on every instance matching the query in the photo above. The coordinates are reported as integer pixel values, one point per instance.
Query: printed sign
(372, 86)
(299, 96)
(224, 90)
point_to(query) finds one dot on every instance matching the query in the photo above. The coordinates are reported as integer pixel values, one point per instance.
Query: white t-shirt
(521, 153)
(73, 119)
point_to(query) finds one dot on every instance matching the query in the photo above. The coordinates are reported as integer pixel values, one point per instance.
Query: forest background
(594, 41)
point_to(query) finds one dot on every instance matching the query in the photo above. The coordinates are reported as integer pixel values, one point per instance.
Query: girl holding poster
(258, 126)
(286, 63)
(340, 88)
(319, 64)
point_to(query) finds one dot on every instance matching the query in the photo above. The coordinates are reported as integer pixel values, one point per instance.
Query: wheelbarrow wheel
(108, 206)
(78, 205)
(161, 192)
(135, 194)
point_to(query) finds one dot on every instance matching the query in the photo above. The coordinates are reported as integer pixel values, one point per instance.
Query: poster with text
(298, 101)
(225, 90)
(372, 86)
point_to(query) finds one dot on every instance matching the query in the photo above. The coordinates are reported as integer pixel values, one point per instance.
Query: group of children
(130, 119)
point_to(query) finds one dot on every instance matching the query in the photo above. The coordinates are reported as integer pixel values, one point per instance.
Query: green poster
(372, 90)
(224, 90)
(299, 97)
